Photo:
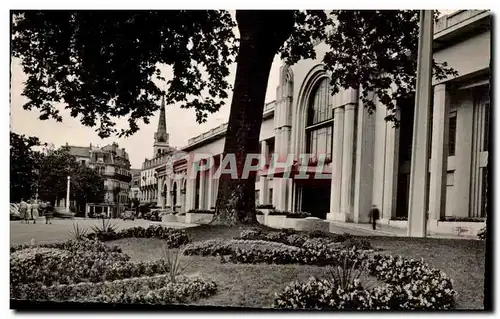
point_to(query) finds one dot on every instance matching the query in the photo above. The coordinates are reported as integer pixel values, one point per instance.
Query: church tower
(161, 136)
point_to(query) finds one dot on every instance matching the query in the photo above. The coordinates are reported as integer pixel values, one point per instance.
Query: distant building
(135, 190)
(368, 160)
(161, 153)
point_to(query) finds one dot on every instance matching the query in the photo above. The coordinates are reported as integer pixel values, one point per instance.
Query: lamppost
(67, 194)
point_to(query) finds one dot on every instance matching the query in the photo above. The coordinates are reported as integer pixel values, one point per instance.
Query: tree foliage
(86, 183)
(374, 49)
(102, 65)
(24, 165)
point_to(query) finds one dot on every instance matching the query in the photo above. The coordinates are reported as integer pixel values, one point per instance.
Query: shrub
(212, 247)
(201, 211)
(410, 285)
(297, 215)
(277, 213)
(179, 292)
(173, 237)
(219, 247)
(360, 243)
(251, 233)
(131, 290)
(296, 239)
(78, 233)
(266, 206)
(482, 233)
(463, 219)
(49, 266)
(175, 263)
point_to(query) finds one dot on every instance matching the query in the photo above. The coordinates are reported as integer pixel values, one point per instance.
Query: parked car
(128, 214)
(14, 212)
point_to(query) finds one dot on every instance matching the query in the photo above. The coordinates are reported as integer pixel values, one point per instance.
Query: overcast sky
(181, 123)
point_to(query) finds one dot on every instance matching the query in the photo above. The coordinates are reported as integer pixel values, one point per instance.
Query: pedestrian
(34, 210)
(23, 210)
(374, 216)
(49, 210)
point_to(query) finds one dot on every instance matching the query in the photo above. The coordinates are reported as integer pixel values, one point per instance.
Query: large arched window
(320, 121)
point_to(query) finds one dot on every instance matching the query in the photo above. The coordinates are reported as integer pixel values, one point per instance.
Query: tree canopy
(102, 65)
(25, 162)
(87, 184)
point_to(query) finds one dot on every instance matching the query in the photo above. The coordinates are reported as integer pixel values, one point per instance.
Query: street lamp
(67, 194)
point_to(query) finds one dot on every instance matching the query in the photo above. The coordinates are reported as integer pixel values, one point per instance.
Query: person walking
(374, 216)
(34, 210)
(49, 211)
(23, 211)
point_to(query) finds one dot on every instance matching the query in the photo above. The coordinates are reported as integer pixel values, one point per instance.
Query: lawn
(248, 285)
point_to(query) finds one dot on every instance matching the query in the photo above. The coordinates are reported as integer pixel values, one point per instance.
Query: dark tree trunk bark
(261, 35)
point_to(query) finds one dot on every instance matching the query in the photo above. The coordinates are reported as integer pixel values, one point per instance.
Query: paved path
(384, 230)
(59, 230)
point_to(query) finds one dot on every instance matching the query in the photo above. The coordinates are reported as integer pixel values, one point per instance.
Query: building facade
(367, 159)
(148, 183)
(113, 164)
(134, 193)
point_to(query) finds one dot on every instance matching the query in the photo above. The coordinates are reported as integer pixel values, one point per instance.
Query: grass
(255, 285)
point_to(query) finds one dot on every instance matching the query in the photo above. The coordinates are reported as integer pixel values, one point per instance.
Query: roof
(79, 151)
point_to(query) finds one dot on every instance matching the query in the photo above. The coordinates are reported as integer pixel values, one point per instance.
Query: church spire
(162, 122)
(161, 135)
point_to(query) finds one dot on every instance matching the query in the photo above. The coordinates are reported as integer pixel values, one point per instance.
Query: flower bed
(410, 285)
(154, 289)
(173, 237)
(89, 271)
(310, 240)
(50, 266)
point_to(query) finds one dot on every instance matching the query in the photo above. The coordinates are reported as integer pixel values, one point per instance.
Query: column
(363, 183)
(337, 148)
(168, 197)
(417, 221)
(178, 195)
(391, 171)
(189, 193)
(159, 186)
(347, 161)
(439, 153)
(463, 156)
(202, 194)
(210, 181)
(264, 182)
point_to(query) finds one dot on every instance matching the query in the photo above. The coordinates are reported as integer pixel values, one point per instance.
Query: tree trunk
(261, 35)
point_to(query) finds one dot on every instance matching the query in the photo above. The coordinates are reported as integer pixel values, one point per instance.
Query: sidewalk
(386, 230)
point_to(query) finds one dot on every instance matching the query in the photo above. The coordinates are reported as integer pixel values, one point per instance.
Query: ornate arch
(316, 74)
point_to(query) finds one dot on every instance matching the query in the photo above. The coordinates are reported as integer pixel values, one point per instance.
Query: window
(270, 196)
(320, 122)
(257, 192)
(452, 133)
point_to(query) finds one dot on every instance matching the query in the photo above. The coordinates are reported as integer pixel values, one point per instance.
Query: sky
(181, 123)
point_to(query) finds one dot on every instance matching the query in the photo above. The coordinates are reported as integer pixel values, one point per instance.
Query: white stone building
(368, 158)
